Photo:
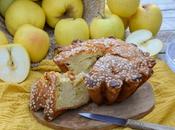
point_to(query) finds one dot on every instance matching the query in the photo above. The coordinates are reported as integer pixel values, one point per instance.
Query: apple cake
(114, 69)
(104, 70)
(55, 93)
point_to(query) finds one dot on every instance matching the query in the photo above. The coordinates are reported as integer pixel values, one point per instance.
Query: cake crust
(114, 78)
(46, 91)
(113, 69)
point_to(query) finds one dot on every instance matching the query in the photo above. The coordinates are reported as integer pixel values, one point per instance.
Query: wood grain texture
(136, 106)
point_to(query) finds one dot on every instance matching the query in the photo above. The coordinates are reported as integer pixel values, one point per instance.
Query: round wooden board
(136, 106)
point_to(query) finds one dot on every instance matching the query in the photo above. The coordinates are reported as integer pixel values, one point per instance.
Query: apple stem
(101, 15)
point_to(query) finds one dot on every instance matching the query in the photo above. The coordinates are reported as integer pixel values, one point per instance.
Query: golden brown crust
(79, 48)
(103, 45)
(130, 69)
(119, 71)
(124, 64)
(43, 95)
(124, 75)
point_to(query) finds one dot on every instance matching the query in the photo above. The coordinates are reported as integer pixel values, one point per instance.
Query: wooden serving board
(136, 106)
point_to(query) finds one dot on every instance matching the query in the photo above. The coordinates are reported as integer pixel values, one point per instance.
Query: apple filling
(71, 93)
(82, 63)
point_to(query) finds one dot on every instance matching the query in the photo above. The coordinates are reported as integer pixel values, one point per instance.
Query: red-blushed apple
(35, 41)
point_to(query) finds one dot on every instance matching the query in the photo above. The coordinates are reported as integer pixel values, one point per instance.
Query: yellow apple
(35, 40)
(147, 17)
(123, 8)
(24, 12)
(107, 10)
(124, 20)
(4, 4)
(3, 38)
(58, 9)
(68, 30)
(111, 25)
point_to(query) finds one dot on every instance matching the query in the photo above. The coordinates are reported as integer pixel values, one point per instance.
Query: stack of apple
(143, 21)
(25, 20)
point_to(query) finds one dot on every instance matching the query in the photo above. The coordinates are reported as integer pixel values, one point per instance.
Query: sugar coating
(43, 95)
(105, 45)
(113, 69)
(119, 64)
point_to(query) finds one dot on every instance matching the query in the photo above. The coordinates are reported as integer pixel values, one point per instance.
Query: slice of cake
(56, 93)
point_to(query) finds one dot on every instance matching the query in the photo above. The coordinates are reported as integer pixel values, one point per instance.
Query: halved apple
(15, 63)
(143, 39)
(138, 37)
(153, 46)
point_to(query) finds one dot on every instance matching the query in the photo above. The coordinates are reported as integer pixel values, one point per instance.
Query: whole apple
(147, 17)
(4, 4)
(3, 38)
(68, 30)
(35, 41)
(123, 8)
(107, 10)
(108, 26)
(58, 9)
(24, 12)
(124, 20)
